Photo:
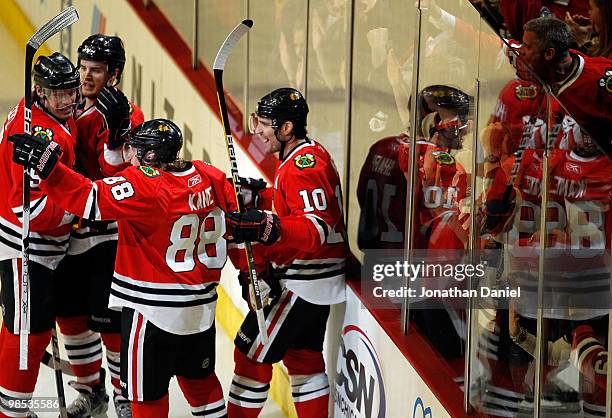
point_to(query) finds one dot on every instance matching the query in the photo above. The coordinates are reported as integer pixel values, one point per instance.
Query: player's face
(263, 128)
(532, 54)
(94, 76)
(450, 134)
(59, 102)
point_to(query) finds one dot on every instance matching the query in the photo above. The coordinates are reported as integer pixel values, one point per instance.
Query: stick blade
(238, 32)
(64, 19)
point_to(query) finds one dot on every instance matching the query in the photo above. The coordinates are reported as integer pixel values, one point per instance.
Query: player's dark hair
(551, 33)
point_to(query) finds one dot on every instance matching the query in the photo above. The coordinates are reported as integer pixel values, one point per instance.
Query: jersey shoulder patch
(46, 134)
(149, 171)
(303, 161)
(605, 82)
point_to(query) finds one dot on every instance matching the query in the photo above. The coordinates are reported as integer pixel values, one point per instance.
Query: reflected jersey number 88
(204, 237)
(583, 221)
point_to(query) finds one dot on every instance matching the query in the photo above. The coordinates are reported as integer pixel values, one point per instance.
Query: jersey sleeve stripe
(585, 347)
(36, 207)
(92, 211)
(320, 225)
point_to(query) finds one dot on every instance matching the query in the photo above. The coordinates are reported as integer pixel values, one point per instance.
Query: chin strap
(281, 154)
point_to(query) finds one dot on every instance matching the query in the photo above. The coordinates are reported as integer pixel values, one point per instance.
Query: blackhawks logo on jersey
(149, 171)
(526, 92)
(44, 134)
(304, 161)
(443, 158)
(606, 81)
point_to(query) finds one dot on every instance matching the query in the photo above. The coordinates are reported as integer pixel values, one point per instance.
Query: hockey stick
(64, 19)
(48, 360)
(219, 64)
(59, 380)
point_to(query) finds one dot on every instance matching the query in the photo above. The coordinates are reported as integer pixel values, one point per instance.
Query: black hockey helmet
(282, 105)
(104, 48)
(156, 141)
(56, 72)
(448, 97)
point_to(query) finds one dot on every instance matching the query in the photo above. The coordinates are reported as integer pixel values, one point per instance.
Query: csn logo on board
(420, 411)
(360, 389)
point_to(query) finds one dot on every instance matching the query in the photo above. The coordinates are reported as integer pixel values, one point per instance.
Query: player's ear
(287, 127)
(113, 79)
(549, 54)
(39, 91)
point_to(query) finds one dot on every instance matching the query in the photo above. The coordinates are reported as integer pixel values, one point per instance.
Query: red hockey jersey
(381, 193)
(49, 224)
(312, 250)
(587, 95)
(522, 105)
(171, 237)
(96, 161)
(579, 225)
(441, 185)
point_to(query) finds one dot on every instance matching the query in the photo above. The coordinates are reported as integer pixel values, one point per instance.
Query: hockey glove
(498, 211)
(115, 108)
(98, 226)
(269, 286)
(34, 152)
(254, 226)
(249, 189)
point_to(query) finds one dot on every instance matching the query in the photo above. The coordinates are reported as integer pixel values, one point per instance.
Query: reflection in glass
(217, 19)
(326, 75)
(382, 76)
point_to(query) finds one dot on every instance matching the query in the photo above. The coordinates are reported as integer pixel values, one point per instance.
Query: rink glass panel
(448, 66)
(272, 41)
(383, 49)
(180, 15)
(217, 19)
(326, 81)
(500, 369)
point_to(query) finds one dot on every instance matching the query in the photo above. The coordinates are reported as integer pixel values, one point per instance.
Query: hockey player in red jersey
(171, 217)
(442, 181)
(582, 84)
(55, 94)
(103, 120)
(304, 242)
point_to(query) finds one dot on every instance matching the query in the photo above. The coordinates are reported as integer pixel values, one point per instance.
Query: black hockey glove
(269, 287)
(249, 189)
(498, 211)
(254, 226)
(99, 226)
(34, 152)
(115, 108)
